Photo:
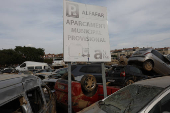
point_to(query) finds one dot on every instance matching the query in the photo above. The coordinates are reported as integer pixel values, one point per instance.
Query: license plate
(61, 87)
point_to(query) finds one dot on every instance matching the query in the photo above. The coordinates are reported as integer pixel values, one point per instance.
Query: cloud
(29, 45)
(40, 23)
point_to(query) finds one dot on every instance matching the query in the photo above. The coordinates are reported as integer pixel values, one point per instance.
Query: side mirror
(24, 108)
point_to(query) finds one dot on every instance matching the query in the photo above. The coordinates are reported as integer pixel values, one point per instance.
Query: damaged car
(147, 96)
(151, 60)
(22, 93)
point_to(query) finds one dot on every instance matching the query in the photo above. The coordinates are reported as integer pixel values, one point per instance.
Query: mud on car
(146, 96)
(22, 93)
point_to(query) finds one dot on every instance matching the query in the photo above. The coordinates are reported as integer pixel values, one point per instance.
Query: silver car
(150, 59)
(147, 96)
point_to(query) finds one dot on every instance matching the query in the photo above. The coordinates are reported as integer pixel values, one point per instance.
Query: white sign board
(86, 36)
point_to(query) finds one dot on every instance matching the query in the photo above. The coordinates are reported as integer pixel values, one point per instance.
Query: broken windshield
(130, 99)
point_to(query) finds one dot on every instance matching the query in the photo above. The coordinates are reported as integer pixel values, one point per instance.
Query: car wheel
(147, 65)
(88, 82)
(128, 82)
(65, 76)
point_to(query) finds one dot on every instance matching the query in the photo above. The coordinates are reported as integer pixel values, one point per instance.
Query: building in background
(117, 52)
(52, 56)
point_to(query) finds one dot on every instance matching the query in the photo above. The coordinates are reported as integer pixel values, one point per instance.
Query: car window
(23, 65)
(162, 106)
(83, 69)
(62, 71)
(38, 67)
(73, 67)
(35, 98)
(14, 106)
(130, 99)
(93, 69)
(30, 68)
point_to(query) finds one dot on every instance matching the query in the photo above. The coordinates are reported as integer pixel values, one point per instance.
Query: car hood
(94, 108)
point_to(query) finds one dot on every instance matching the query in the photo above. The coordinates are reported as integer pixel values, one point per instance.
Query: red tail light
(122, 74)
(147, 53)
(106, 74)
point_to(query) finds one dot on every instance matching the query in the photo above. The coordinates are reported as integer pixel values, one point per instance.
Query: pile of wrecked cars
(85, 93)
(24, 93)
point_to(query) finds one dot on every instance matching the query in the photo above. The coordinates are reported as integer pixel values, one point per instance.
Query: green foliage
(49, 61)
(114, 56)
(21, 54)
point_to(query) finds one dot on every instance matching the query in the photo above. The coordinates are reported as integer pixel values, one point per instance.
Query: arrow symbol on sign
(84, 55)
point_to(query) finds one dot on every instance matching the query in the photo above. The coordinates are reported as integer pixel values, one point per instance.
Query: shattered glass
(130, 99)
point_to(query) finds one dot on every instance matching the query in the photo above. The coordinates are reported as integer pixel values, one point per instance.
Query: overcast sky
(39, 23)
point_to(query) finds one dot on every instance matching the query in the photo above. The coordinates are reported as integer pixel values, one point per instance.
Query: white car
(58, 62)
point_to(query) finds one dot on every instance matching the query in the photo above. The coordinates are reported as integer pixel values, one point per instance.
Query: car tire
(65, 77)
(88, 83)
(128, 82)
(147, 65)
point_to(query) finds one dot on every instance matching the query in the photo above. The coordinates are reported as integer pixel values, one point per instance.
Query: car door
(36, 100)
(50, 100)
(23, 67)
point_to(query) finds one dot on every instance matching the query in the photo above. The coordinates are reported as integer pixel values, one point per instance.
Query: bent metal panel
(86, 36)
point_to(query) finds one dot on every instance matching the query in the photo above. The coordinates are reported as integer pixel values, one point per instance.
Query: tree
(30, 53)
(21, 54)
(9, 56)
(49, 61)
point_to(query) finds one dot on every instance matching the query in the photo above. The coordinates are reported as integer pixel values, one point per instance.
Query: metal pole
(104, 80)
(69, 88)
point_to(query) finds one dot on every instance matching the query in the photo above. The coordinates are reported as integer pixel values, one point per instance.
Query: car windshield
(61, 70)
(130, 99)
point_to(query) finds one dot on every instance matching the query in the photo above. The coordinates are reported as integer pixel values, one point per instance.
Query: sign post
(104, 80)
(69, 88)
(86, 37)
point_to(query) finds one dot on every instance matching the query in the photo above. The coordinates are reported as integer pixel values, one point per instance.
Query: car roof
(11, 79)
(162, 82)
(13, 85)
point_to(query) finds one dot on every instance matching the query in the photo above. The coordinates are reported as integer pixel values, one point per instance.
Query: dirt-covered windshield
(130, 99)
